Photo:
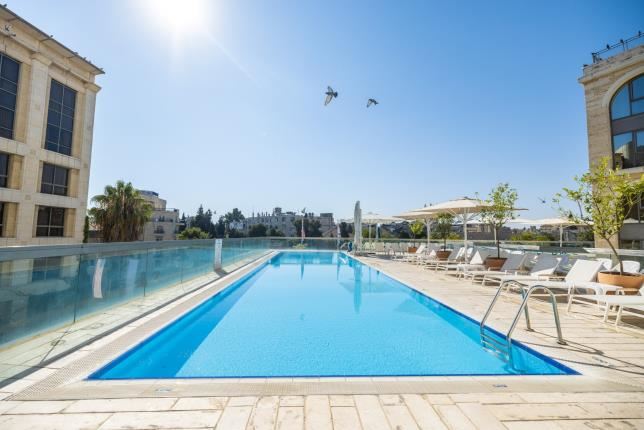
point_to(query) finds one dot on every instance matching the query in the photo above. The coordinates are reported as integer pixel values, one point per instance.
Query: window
(54, 180)
(50, 221)
(627, 124)
(60, 118)
(4, 169)
(9, 72)
(1, 218)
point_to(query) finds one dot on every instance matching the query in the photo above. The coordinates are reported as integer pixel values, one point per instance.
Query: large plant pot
(443, 255)
(412, 249)
(627, 280)
(494, 263)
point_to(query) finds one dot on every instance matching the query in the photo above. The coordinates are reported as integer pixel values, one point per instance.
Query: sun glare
(181, 19)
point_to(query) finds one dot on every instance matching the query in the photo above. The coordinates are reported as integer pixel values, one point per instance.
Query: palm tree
(120, 213)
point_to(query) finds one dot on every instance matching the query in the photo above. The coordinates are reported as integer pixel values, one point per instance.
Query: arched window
(627, 124)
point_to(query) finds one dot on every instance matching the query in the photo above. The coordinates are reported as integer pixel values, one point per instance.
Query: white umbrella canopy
(464, 208)
(419, 215)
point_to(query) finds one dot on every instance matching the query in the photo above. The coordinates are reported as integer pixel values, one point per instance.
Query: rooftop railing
(622, 46)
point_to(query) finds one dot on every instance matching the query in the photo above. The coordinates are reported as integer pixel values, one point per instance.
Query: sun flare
(181, 19)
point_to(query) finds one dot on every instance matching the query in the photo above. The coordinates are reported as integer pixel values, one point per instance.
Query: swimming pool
(307, 314)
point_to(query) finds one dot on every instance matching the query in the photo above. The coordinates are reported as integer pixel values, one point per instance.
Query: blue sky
(222, 103)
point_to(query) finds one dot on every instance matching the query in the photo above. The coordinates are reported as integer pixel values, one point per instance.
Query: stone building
(47, 99)
(285, 221)
(614, 92)
(164, 222)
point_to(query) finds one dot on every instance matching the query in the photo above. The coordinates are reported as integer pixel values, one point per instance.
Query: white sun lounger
(618, 301)
(476, 261)
(582, 273)
(512, 265)
(543, 268)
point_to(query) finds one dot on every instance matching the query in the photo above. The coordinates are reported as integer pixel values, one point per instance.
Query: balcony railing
(622, 46)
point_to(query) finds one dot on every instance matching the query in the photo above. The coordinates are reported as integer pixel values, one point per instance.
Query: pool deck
(609, 393)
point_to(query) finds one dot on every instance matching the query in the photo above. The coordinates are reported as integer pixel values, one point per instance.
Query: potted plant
(499, 209)
(604, 197)
(444, 223)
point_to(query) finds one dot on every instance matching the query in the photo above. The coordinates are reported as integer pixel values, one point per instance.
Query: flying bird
(330, 95)
(371, 102)
(542, 200)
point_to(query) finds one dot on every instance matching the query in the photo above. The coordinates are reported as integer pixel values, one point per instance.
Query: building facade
(614, 93)
(47, 98)
(164, 223)
(285, 222)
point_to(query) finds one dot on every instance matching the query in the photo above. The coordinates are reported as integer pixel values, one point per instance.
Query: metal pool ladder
(502, 348)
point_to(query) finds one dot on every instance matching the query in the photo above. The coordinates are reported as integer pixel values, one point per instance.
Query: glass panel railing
(54, 299)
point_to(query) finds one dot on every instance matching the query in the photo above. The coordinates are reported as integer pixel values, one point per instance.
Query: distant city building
(164, 223)
(285, 222)
(47, 99)
(614, 89)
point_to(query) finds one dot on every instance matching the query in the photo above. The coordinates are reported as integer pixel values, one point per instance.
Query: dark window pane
(57, 216)
(66, 150)
(56, 92)
(6, 133)
(637, 107)
(53, 133)
(42, 231)
(4, 170)
(46, 188)
(623, 150)
(6, 118)
(10, 69)
(53, 118)
(619, 107)
(55, 106)
(8, 100)
(8, 86)
(69, 99)
(43, 216)
(65, 138)
(68, 111)
(638, 87)
(56, 231)
(47, 173)
(67, 123)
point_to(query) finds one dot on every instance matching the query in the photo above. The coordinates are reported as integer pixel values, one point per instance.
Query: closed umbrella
(357, 226)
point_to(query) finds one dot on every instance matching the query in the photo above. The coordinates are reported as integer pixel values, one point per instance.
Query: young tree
(501, 209)
(120, 213)
(604, 197)
(344, 230)
(443, 229)
(417, 229)
(275, 232)
(192, 233)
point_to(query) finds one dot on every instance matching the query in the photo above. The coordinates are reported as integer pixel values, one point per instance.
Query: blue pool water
(320, 314)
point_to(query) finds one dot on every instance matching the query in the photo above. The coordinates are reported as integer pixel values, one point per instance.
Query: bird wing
(369, 102)
(328, 99)
(329, 89)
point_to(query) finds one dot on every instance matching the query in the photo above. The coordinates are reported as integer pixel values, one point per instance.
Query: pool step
(501, 349)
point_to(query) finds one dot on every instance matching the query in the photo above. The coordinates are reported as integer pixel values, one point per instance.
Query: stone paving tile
(40, 407)
(160, 420)
(121, 405)
(317, 413)
(539, 411)
(292, 401)
(371, 414)
(338, 400)
(53, 421)
(242, 401)
(345, 418)
(234, 418)
(7, 405)
(439, 399)
(264, 416)
(391, 399)
(290, 418)
(424, 414)
(197, 403)
(480, 416)
(399, 417)
(454, 417)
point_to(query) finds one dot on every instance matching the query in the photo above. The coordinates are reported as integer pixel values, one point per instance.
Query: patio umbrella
(357, 226)
(420, 215)
(373, 218)
(558, 222)
(464, 209)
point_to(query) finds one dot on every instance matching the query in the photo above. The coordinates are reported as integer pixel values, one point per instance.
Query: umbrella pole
(561, 236)
(428, 227)
(465, 220)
